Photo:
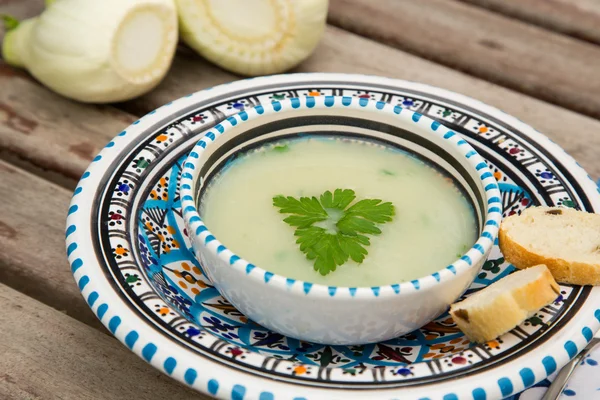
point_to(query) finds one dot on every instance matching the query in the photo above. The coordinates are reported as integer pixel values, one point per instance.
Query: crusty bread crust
(564, 271)
(481, 323)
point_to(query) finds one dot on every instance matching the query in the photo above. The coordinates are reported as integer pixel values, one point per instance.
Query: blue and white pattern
(123, 313)
(582, 385)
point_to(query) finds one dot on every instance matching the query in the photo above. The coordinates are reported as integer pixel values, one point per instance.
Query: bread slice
(564, 239)
(503, 305)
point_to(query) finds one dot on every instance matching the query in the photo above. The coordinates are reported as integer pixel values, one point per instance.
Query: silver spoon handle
(559, 383)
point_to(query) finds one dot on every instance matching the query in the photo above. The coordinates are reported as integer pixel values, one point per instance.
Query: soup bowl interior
(329, 314)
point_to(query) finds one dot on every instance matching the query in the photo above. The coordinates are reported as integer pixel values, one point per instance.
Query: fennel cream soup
(260, 204)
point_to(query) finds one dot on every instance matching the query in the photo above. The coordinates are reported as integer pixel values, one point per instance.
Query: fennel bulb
(253, 37)
(97, 51)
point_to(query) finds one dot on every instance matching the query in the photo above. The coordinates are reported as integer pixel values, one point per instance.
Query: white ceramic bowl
(339, 315)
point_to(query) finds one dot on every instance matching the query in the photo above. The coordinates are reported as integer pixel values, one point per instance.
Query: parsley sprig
(330, 248)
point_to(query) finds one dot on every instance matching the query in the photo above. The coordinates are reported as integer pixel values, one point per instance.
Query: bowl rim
(482, 246)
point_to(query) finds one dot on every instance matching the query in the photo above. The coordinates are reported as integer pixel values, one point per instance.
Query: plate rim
(118, 318)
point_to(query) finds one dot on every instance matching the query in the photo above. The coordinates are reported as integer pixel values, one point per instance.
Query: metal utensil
(559, 383)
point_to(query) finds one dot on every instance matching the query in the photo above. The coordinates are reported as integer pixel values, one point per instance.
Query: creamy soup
(433, 225)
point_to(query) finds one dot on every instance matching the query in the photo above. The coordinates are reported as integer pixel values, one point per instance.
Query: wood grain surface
(32, 247)
(50, 131)
(577, 18)
(521, 56)
(48, 355)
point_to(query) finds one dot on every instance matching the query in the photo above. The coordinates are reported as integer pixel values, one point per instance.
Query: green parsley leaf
(354, 246)
(307, 210)
(362, 216)
(331, 249)
(338, 200)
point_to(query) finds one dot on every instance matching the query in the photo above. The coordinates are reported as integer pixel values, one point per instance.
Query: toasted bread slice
(503, 305)
(567, 241)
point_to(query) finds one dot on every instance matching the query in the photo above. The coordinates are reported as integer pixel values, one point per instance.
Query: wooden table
(535, 59)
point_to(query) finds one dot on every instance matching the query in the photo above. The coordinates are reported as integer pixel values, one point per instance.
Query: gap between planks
(48, 355)
(541, 63)
(577, 18)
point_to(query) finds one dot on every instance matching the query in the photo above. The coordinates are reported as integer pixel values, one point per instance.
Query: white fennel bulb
(253, 37)
(97, 51)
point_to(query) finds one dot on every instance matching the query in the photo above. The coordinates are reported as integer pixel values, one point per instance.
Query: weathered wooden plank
(48, 355)
(32, 255)
(577, 18)
(49, 130)
(521, 56)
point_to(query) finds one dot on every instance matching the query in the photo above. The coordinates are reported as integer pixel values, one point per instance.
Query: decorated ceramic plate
(130, 255)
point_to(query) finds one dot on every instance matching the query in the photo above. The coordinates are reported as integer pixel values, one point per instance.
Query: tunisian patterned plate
(130, 255)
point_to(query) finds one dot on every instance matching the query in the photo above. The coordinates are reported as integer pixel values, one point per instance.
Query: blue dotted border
(169, 365)
(484, 243)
